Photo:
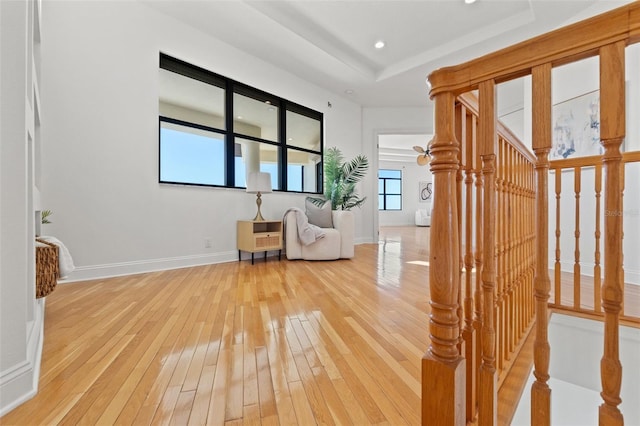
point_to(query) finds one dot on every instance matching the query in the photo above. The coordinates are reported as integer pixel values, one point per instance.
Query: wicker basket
(47, 267)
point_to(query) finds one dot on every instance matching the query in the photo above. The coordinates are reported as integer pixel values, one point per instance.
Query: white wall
(412, 174)
(566, 86)
(100, 176)
(21, 320)
(576, 351)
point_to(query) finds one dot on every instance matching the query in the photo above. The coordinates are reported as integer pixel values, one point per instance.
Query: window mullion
(283, 154)
(230, 166)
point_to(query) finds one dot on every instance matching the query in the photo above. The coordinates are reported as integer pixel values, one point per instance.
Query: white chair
(423, 217)
(337, 242)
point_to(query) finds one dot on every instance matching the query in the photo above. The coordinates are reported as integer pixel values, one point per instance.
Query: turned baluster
(622, 180)
(501, 270)
(516, 264)
(557, 267)
(576, 265)
(478, 315)
(460, 135)
(532, 239)
(508, 265)
(469, 333)
(612, 132)
(541, 132)
(488, 396)
(597, 277)
(520, 213)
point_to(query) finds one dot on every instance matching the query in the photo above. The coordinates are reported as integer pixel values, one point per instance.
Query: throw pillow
(319, 216)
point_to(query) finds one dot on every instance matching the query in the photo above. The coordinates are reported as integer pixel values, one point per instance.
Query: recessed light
(349, 92)
(379, 44)
(469, 1)
(239, 117)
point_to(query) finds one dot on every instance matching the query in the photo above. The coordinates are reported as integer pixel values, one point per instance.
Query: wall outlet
(207, 243)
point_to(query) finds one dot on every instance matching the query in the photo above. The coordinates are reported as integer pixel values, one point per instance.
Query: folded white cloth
(65, 260)
(307, 232)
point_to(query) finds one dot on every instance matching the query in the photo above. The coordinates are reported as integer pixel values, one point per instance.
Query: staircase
(496, 233)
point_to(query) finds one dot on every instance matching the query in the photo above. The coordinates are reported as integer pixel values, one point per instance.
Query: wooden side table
(255, 236)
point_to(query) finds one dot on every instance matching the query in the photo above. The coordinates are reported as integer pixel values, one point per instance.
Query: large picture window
(389, 189)
(214, 131)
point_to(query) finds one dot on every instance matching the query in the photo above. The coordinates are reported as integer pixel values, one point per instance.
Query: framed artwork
(576, 127)
(425, 190)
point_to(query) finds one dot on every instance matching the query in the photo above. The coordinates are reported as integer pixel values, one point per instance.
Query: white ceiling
(330, 43)
(399, 148)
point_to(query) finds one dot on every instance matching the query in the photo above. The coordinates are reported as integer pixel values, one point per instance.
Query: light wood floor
(279, 342)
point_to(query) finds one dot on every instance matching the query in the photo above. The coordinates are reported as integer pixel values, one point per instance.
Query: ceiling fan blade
(419, 149)
(423, 160)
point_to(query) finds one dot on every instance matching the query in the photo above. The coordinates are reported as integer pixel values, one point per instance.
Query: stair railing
(505, 183)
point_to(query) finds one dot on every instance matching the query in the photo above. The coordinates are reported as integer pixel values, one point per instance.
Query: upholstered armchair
(423, 217)
(337, 242)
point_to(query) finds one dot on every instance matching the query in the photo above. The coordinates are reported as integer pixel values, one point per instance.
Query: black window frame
(384, 192)
(231, 87)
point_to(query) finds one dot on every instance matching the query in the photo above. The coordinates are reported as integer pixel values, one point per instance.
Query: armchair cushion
(319, 216)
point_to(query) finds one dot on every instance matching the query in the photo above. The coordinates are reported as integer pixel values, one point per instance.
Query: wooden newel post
(540, 391)
(612, 132)
(443, 369)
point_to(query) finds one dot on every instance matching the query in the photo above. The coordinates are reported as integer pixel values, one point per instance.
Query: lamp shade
(258, 182)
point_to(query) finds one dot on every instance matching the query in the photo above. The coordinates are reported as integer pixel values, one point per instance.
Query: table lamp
(259, 183)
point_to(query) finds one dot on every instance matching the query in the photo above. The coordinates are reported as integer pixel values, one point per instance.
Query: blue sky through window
(186, 157)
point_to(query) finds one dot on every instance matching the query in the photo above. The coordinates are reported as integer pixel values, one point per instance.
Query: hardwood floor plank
(218, 402)
(313, 393)
(301, 404)
(200, 409)
(280, 380)
(321, 351)
(182, 410)
(167, 406)
(127, 393)
(62, 408)
(378, 395)
(251, 415)
(408, 379)
(265, 387)
(194, 371)
(250, 375)
(233, 408)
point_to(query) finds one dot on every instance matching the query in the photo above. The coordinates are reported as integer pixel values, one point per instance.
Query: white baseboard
(93, 272)
(19, 383)
(364, 240)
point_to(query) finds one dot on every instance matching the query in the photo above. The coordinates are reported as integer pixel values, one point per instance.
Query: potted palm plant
(340, 180)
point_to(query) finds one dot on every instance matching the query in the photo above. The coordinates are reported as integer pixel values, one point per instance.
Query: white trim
(364, 240)
(26, 374)
(92, 272)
